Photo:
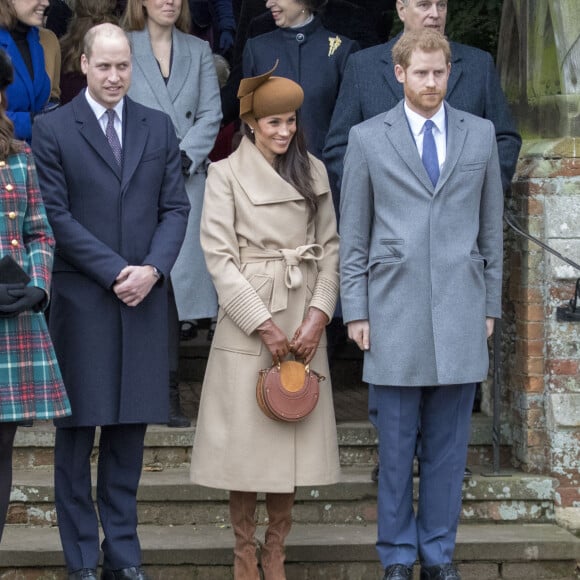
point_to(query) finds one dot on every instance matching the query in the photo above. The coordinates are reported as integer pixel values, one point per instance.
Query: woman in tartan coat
(31, 386)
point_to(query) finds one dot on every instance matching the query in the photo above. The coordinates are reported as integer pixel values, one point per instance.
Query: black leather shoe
(133, 573)
(84, 574)
(398, 572)
(441, 572)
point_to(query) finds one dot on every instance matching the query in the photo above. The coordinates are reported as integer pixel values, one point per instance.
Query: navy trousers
(118, 473)
(444, 413)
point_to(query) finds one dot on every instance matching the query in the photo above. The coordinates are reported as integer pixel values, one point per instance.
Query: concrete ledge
(212, 545)
(351, 433)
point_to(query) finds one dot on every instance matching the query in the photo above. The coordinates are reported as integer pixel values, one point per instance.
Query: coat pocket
(388, 251)
(228, 335)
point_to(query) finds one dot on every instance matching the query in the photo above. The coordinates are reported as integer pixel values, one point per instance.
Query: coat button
(2, 163)
(9, 187)
(300, 37)
(188, 115)
(14, 242)
(12, 215)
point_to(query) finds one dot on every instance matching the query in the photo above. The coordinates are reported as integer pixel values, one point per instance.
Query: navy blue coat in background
(370, 88)
(307, 57)
(114, 358)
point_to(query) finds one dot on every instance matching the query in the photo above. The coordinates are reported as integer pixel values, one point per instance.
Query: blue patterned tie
(430, 160)
(112, 136)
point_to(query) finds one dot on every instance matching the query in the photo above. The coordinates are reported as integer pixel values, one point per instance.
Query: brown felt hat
(6, 72)
(265, 95)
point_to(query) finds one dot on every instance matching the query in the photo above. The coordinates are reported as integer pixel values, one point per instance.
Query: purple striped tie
(112, 136)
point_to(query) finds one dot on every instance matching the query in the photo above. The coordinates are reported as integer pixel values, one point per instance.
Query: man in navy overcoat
(421, 270)
(110, 174)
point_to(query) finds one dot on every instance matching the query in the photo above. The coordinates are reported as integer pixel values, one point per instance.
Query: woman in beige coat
(269, 235)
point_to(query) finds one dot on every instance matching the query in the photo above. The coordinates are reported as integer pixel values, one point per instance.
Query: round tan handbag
(288, 391)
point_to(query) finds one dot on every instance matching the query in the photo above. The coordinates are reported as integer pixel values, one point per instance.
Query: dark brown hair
(294, 165)
(135, 16)
(87, 13)
(8, 145)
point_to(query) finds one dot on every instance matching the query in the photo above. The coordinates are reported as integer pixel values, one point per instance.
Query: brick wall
(542, 355)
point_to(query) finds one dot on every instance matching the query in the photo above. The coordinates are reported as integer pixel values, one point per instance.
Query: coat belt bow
(287, 273)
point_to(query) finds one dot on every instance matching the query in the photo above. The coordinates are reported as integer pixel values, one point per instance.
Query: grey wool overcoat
(191, 98)
(250, 216)
(423, 264)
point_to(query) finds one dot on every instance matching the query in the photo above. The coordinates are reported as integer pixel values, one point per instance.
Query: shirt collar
(99, 110)
(417, 121)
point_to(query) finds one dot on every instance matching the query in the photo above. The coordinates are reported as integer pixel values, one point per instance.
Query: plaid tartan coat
(31, 386)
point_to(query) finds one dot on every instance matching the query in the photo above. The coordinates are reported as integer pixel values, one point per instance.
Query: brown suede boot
(279, 507)
(242, 516)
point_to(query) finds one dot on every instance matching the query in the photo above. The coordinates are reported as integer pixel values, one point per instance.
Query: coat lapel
(401, 138)
(20, 69)
(143, 58)
(179, 67)
(389, 70)
(92, 133)
(456, 69)
(456, 135)
(263, 185)
(135, 133)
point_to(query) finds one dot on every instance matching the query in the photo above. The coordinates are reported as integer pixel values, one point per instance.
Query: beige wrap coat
(268, 258)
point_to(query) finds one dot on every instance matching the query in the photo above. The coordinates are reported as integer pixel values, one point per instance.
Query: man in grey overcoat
(110, 175)
(421, 271)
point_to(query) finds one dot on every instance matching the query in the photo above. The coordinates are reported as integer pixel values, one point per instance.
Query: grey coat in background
(191, 98)
(423, 264)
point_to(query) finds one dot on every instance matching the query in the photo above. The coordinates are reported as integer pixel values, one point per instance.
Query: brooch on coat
(333, 44)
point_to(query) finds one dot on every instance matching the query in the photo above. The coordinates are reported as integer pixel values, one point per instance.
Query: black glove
(185, 164)
(7, 300)
(26, 298)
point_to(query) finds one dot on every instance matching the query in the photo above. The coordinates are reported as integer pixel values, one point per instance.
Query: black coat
(312, 56)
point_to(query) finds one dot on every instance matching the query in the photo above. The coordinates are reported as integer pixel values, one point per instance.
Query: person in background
(267, 218)
(308, 54)
(31, 385)
(110, 174)
(52, 63)
(174, 72)
(421, 256)
(213, 20)
(87, 13)
(29, 93)
(58, 15)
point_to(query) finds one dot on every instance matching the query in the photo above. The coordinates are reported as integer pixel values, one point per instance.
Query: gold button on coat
(12, 215)
(14, 242)
(9, 187)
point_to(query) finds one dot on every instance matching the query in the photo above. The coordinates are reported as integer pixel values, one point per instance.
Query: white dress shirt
(417, 124)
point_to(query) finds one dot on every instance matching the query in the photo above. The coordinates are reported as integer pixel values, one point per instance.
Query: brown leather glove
(306, 338)
(274, 339)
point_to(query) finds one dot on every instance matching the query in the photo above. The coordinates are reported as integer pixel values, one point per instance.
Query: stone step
(325, 552)
(165, 447)
(167, 497)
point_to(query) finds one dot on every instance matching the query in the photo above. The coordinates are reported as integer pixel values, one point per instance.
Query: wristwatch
(156, 272)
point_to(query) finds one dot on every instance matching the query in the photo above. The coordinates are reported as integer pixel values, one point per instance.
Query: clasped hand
(16, 298)
(304, 342)
(134, 283)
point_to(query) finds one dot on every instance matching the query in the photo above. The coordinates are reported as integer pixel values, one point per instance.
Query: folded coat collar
(262, 184)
